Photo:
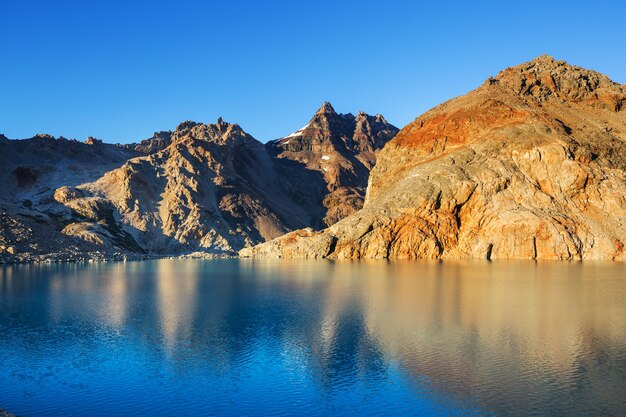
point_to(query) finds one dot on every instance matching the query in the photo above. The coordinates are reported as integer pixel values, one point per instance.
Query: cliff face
(212, 189)
(326, 164)
(530, 165)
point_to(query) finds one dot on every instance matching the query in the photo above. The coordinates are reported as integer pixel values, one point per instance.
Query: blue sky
(122, 70)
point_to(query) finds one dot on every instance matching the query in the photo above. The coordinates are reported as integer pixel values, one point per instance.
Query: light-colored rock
(212, 189)
(531, 165)
(90, 232)
(31, 217)
(65, 194)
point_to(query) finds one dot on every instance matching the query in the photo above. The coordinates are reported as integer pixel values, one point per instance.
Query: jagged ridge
(337, 151)
(202, 187)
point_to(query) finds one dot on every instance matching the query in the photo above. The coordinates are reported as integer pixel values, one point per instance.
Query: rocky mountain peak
(44, 136)
(361, 115)
(326, 108)
(337, 151)
(221, 132)
(532, 165)
(162, 134)
(93, 141)
(381, 119)
(158, 142)
(546, 78)
(187, 124)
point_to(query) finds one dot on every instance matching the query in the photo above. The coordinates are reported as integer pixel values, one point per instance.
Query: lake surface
(278, 338)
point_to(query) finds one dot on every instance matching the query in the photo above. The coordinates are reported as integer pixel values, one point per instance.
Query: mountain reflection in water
(247, 337)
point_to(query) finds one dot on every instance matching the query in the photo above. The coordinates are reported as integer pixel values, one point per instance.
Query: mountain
(326, 164)
(530, 165)
(158, 142)
(30, 171)
(209, 188)
(212, 189)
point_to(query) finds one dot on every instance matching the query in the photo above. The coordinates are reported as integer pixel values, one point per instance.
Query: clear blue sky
(122, 70)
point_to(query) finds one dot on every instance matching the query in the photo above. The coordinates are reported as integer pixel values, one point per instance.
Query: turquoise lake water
(280, 338)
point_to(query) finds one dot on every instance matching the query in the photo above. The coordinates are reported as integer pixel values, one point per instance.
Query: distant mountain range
(530, 165)
(204, 189)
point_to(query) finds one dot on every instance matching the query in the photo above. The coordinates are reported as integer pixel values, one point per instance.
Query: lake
(279, 338)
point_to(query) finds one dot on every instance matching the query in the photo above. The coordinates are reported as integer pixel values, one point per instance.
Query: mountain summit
(325, 108)
(531, 165)
(337, 152)
(546, 78)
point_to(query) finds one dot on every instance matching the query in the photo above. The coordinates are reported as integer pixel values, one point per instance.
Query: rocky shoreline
(99, 257)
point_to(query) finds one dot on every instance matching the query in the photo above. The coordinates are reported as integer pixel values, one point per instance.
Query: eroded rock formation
(326, 164)
(205, 189)
(530, 165)
(213, 188)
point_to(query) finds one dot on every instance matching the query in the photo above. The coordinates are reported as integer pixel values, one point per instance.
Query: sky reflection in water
(244, 337)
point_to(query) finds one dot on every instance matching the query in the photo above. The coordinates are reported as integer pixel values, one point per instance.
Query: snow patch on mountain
(297, 132)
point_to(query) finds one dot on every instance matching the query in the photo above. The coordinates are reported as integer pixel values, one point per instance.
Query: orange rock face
(531, 165)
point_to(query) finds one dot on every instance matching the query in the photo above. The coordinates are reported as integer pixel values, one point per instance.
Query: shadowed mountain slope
(340, 147)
